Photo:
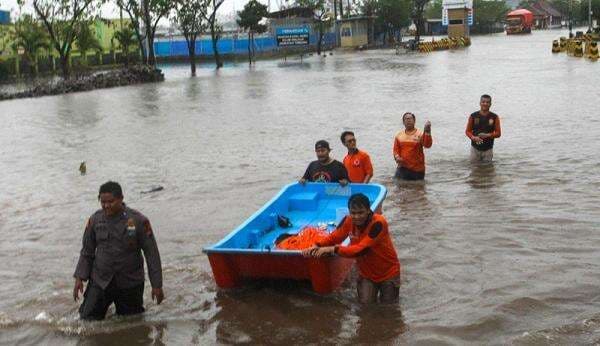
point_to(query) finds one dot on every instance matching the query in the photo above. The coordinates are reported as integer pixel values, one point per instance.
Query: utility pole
(590, 16)
(570, 18)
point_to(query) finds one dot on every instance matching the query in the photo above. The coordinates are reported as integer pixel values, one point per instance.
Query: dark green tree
(215, 28)
(417, 15)
(146, 14)
(126, 38)
(584, 8)
(31, 37)
(434, 10)
(488, 13)
(133, 12)
(189, 15)
(249, 19)
(393, 15)
(86, 40)
(61, 18)
(369, 9)
(322, 19)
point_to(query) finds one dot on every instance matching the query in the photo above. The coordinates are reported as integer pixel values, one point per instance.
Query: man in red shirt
(357, 162)
(371, 245)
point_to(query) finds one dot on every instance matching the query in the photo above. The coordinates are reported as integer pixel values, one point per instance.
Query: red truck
(519, 22)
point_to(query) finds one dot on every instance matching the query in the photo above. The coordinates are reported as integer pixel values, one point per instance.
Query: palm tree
(126, 38)
(31, 37)
(86, 40)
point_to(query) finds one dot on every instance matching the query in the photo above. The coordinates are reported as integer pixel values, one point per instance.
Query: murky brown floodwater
(502, 254)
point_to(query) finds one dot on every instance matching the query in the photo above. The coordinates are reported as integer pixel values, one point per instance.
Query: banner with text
(292, 36)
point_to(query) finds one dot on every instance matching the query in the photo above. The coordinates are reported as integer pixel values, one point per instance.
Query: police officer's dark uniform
(111, 260)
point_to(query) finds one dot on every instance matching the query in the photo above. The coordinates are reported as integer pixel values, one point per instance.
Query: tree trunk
(192, 53)
(64, 65)
(253, 49)
(215, 39)
(126, 52)
(319, 41)
(148, 33)
(335, 9)
(151, 56)
(141, 44)
(249, 47)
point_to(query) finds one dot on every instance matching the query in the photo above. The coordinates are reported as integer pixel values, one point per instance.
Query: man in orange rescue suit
(408, 148)
(371, 245)
(357, 162)
(483, 126)
(111, 259)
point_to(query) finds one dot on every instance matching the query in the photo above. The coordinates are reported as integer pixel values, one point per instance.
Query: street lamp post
(570, 18)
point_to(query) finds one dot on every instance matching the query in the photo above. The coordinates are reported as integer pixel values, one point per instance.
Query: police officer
(111, 259)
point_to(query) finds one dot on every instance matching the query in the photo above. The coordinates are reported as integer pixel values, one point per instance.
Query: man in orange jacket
(357, 162)
(371, 245)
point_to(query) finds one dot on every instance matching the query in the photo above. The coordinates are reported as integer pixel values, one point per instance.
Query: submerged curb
(122, 77)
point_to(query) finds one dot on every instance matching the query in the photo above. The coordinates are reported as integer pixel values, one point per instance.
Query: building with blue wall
(177, 46)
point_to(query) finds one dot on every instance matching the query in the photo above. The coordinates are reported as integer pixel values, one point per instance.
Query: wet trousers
(96, 301)
(387, 291)
(407, 174)
(481, 156)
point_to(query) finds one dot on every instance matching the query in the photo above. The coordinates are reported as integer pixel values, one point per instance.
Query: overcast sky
(110, 11)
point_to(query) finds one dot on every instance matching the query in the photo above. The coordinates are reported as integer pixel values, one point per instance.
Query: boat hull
(250, 252)
(325, 274)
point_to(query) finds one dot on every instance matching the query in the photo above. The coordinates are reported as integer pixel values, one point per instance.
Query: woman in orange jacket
(408, 148)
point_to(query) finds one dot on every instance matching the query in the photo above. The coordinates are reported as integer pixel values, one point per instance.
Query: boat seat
(254, 238)
(303, 201)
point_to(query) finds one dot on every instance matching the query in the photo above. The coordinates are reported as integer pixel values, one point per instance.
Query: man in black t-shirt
(325, 169)
(482, 128)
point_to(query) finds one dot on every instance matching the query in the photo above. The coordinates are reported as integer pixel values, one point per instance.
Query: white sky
(110, 10)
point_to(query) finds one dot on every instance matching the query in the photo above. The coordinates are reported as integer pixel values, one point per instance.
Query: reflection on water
(383, 323)
(277, 313)
(150, 334)
(482, 175)
(491, 254)
(281, 313)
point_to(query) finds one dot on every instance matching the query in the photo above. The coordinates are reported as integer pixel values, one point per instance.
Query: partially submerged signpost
(293, 37)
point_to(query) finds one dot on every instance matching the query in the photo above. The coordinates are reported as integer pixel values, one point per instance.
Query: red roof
(520, 12)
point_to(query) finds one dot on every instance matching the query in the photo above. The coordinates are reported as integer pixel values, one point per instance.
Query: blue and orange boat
(249, 252)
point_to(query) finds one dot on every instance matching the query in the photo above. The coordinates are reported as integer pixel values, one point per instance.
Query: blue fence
(4, 17)
(228, 45)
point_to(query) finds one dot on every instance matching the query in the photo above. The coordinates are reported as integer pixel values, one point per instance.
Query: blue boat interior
(312, 204)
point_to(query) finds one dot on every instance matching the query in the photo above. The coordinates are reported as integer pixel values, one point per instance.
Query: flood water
(507, 253)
